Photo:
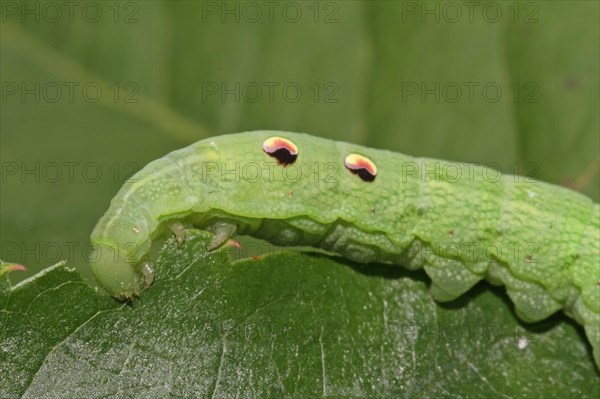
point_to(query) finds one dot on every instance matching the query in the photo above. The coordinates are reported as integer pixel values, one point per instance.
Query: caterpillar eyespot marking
(283, 150)
(361, 166)
(418, 211)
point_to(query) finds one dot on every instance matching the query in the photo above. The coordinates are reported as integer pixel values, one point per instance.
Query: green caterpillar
(460, 222)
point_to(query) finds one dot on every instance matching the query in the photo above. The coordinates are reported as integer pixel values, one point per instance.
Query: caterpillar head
(116, 275)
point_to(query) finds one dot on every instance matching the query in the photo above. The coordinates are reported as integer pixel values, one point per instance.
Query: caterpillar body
(541, 241)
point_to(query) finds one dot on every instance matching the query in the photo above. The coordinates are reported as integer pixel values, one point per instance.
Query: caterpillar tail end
(115, 275)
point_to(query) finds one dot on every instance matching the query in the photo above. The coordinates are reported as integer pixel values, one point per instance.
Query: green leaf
(369, 55)
(290, 324)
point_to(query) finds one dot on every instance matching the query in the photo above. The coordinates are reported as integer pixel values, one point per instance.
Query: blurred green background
(92, 91)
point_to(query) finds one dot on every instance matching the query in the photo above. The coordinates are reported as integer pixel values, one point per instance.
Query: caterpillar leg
(451, 274)
(592, 331)
(148, 272)
(591, 324)
(234, 244)
(223, 232)
(179, 230)
(532, 301)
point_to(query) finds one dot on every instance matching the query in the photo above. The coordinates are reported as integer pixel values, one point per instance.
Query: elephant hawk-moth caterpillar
(457, 221)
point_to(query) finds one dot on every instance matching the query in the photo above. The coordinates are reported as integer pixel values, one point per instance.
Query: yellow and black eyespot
(361, 166)
(283, 150)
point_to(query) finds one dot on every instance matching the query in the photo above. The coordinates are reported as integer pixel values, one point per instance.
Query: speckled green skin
(539, 240)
